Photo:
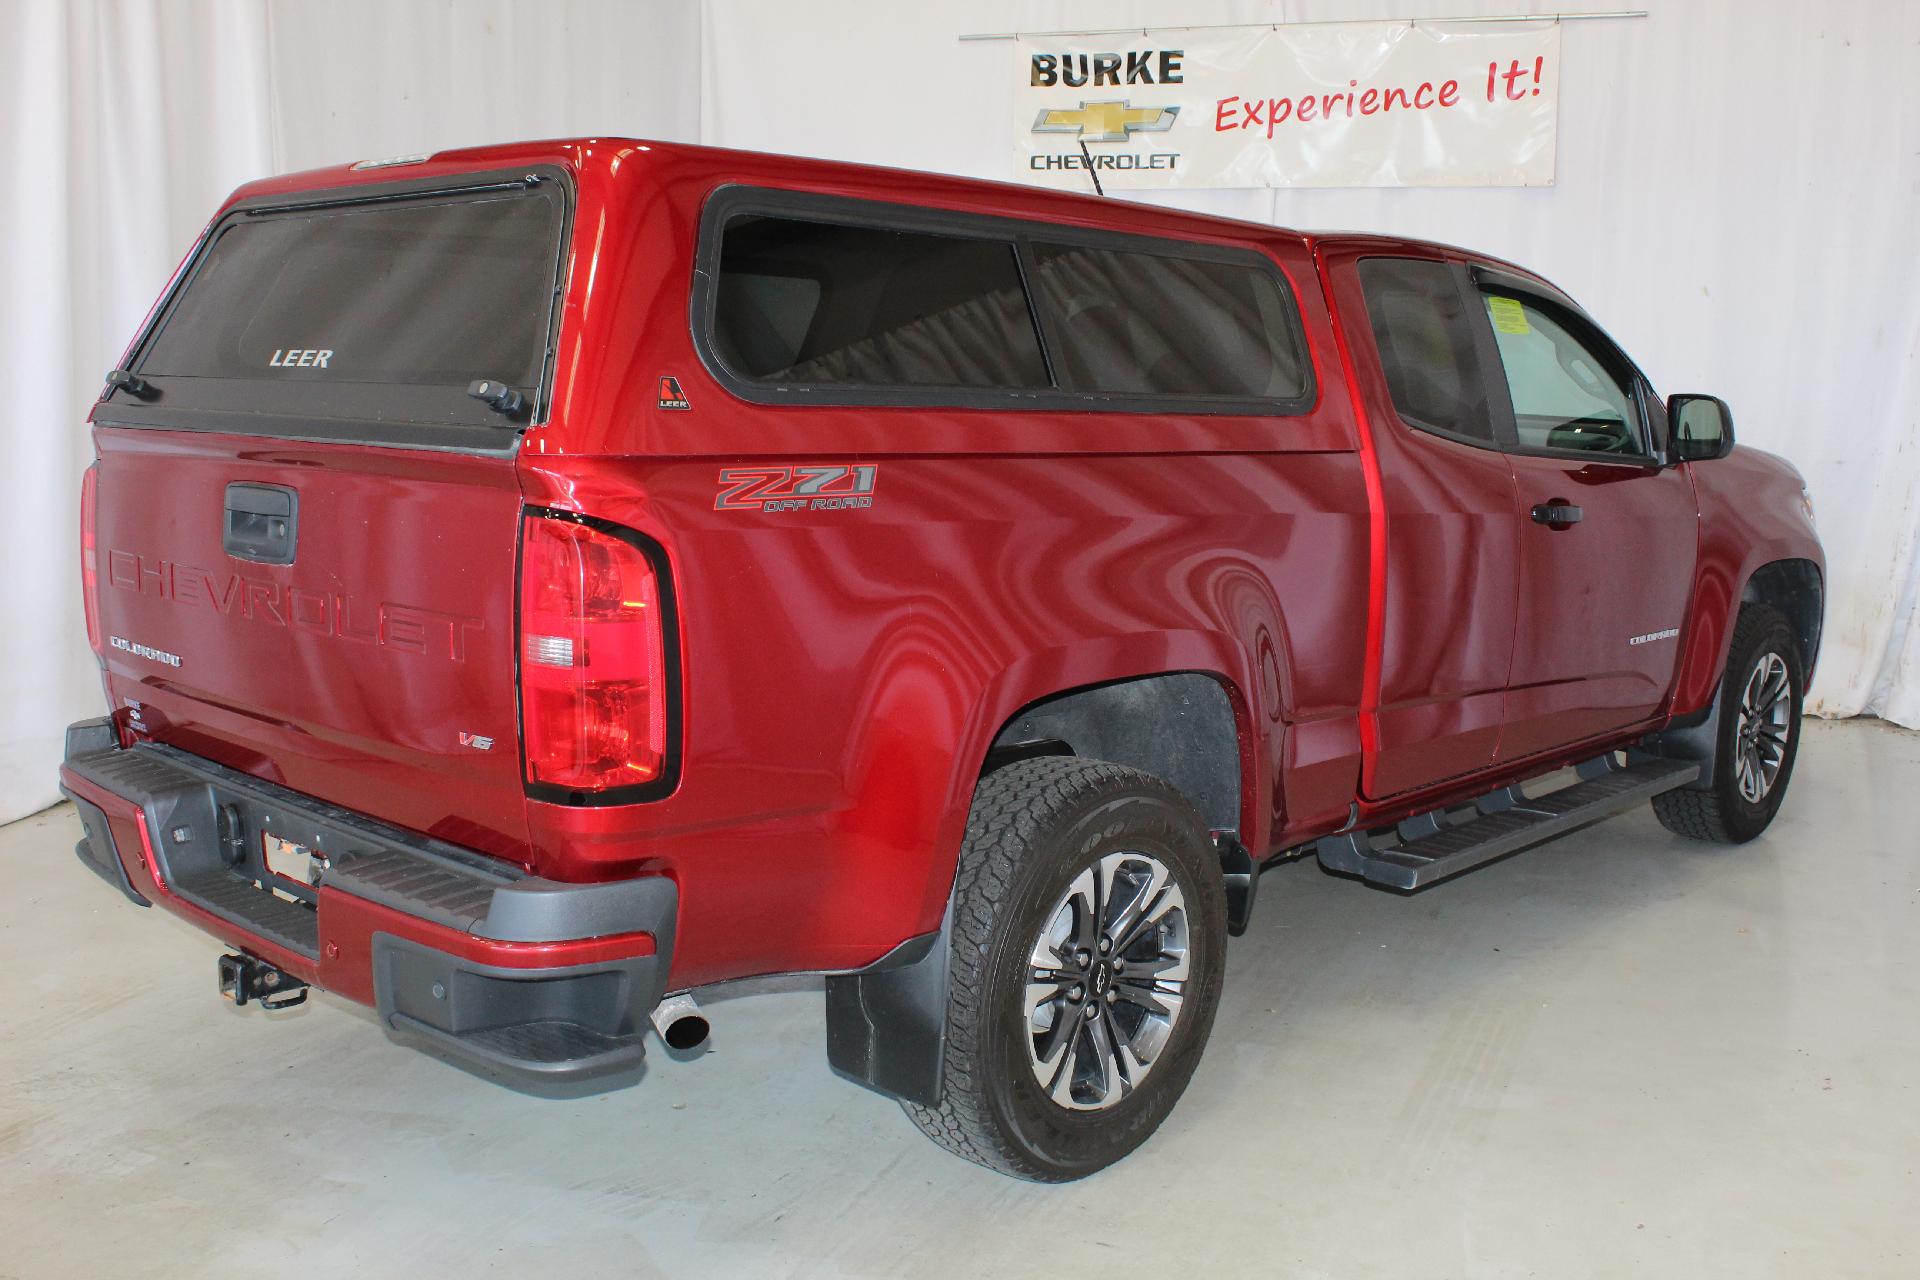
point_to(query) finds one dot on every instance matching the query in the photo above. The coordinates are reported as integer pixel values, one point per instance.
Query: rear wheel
(1089, 935)
(1759, 736)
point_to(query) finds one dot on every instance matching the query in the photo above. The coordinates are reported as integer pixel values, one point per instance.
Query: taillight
(596, 707)
(90, 555)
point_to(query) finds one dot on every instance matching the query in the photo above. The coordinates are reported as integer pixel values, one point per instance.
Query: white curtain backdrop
(122, 122)
(1738, 186)
(127, 121)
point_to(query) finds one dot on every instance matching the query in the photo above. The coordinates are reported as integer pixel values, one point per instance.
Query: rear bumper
(541, 985)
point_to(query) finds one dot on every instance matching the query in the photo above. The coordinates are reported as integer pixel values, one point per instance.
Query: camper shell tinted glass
(364, 314)
(823, 300)
(819, 303)
(1147, 323)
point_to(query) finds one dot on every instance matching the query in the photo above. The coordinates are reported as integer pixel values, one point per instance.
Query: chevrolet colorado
(536, 582)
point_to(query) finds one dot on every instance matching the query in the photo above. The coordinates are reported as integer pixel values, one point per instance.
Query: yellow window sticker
(1508, 316)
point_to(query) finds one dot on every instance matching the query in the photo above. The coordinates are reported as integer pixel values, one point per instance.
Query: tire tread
(1011, 807)
(1702, 815)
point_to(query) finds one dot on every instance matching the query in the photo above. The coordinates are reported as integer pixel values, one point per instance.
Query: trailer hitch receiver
(245, 980)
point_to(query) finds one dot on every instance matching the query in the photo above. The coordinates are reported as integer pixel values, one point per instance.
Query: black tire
(1035, 826)
(1720, 812)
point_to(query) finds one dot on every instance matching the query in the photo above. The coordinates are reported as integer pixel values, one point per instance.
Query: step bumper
(538, 984)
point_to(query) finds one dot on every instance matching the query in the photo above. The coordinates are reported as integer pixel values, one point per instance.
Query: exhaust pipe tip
(680, 1023)
(686, 1033)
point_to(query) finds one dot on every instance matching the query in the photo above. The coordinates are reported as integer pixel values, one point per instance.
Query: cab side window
(1423, 330)
(1567, 393)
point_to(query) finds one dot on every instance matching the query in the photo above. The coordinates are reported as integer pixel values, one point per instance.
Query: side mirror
(1699, 428)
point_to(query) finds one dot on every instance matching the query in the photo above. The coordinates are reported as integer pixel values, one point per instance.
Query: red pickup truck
(537, 582)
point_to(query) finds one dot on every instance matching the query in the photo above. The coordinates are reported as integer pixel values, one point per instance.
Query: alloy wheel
(1765, 721)
(1106, 980)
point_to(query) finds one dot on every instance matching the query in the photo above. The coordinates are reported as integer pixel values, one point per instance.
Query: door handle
(1557, 513)
(260, 522)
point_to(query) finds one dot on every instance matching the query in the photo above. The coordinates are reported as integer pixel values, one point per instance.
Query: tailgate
(375, 671)
(306, 526)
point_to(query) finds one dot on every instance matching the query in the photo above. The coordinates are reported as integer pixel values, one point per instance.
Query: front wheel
(1759, 735)
(1088, 947)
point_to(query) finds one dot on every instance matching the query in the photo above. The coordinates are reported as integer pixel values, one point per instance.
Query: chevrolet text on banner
(1362, 104)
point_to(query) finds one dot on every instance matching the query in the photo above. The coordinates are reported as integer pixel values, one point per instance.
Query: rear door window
(1423, 330)
(383, 310)
(1128, 323)
(823, 304)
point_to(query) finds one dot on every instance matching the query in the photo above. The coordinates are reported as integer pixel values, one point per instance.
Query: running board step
(1444, 843)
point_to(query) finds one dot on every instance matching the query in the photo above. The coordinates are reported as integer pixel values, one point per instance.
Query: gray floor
(1621, 1054)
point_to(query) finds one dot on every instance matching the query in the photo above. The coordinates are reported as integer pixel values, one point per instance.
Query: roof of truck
(610, 155)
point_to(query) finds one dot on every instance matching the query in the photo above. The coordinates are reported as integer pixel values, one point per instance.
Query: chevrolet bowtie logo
(1106, 121)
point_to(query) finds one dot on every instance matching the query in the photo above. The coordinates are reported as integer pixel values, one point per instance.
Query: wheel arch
(1056, 694)
(885, 1023)
(1796, 588)
(1793, 585)
(1179, 726)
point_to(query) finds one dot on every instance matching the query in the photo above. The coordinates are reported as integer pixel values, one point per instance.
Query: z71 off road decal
(823, 487)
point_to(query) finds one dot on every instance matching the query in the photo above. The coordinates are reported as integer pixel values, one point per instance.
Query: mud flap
(887, 1023)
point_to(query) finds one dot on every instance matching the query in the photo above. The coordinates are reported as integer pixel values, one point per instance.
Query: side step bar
(1444, 843)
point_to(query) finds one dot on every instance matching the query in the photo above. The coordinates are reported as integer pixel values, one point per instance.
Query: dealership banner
(1361, 104)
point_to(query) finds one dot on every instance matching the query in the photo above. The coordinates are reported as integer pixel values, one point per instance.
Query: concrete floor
(1622, 1054)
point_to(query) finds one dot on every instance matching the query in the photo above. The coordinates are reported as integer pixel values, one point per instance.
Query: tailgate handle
(260, 522)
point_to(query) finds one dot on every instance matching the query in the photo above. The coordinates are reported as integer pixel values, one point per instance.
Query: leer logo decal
(300, 358)
(1106, 121)
(671, 397)
(821, 487)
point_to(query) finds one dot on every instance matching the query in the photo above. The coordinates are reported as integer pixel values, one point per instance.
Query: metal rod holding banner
(1329, 22)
